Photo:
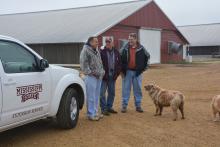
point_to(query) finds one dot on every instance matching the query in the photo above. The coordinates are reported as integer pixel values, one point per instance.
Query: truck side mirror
(43, 64)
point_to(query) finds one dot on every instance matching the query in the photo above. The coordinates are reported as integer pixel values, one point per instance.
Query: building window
(122, 43)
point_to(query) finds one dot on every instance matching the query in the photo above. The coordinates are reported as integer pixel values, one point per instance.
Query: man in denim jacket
(92, 68)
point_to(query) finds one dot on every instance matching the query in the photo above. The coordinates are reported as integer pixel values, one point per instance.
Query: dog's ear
(145, 87)
(152, 83)
(148, 87)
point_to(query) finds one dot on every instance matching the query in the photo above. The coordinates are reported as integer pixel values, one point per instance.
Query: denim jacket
(90, 62)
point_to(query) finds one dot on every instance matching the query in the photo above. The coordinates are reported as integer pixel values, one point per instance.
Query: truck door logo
(29, 92)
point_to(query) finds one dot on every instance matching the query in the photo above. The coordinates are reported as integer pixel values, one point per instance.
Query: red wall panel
(149, 16)
(169, 36)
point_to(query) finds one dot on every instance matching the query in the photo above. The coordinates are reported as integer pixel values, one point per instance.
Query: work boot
(112, 111)
(95, 118)
(100, 116)
(139, 109)
(106, 113)
(123, 110)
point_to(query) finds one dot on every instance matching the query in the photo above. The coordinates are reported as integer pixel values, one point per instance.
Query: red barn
(155, 30)
(58, 35)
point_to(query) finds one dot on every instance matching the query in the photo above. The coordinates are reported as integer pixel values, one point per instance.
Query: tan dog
(165, 98)
(215, 106)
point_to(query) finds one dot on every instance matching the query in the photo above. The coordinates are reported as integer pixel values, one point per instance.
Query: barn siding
(59, 53)
(149, 16)
(170, 36)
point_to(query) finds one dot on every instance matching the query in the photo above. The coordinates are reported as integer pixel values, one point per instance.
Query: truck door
(26, 90)
(0, 95)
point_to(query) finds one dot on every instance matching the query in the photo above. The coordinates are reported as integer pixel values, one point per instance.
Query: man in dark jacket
(112, 66)
(134, 62)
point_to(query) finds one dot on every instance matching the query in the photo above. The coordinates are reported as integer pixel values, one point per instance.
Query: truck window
(16, 59)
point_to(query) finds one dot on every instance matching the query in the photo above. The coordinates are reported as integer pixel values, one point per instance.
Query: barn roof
(66, 25)
(202, 35)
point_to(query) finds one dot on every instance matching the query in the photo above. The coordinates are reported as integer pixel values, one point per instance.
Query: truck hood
(64, 70)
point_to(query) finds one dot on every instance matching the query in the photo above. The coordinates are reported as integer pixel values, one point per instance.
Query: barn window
(122, 43)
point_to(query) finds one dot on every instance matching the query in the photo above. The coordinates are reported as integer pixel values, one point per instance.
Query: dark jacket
(142, 58)
(117, 66)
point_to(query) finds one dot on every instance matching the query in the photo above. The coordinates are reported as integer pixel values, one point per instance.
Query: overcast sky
(181, 12)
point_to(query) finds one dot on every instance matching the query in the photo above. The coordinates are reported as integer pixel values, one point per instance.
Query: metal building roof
(202, 35)
(67, 25)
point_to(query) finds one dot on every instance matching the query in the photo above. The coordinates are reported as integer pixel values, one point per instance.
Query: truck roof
(8, 38)
(19, 42)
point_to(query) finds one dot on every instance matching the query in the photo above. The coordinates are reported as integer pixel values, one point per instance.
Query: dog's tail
(179, 100)
(182, 97)
(216, 103)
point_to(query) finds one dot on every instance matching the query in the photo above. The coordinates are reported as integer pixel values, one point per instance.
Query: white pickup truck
(31, 89)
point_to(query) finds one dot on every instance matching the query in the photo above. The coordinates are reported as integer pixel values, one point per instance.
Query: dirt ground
(198, 82)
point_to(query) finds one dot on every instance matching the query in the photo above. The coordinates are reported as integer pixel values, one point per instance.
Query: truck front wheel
(68, 112)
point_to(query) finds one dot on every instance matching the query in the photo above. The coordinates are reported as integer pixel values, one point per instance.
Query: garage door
(151, 40)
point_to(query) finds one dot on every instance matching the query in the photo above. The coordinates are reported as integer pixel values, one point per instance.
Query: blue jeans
(129, 80)
(93, 86)
(110, 86)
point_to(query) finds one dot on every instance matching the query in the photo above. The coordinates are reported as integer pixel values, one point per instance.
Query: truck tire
(68, 112)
